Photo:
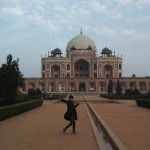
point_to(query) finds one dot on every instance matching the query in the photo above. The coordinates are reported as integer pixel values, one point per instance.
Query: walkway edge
(99, 139)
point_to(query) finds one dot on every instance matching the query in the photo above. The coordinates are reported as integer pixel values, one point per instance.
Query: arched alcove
(81, 68)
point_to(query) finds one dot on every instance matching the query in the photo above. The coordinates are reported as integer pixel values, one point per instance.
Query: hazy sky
(31, 28)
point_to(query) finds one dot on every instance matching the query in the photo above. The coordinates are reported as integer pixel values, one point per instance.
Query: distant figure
(70, 115)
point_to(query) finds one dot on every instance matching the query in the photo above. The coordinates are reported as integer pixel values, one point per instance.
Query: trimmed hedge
(122, 97)
(16, 109)
(143, 103)
(58, 96)
(55, 96)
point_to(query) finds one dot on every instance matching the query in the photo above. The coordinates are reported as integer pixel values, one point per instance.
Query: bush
(54, 96)
(32, 92)
(21, 97)
(131, 92)
(143, 103)
(6, 103)
(15, 109)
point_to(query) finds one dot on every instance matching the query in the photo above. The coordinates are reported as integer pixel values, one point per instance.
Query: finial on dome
(81, 31)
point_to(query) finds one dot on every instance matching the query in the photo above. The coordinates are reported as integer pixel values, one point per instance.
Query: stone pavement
(131, 124)
(39, 129)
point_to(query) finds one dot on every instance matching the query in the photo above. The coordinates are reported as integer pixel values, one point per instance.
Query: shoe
(74, 132)
(63, 130)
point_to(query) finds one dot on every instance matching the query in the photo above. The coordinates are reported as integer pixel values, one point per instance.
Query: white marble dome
(81, 42)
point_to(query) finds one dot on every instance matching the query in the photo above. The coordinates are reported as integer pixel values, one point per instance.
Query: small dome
(81, 42)
(73, 48)
(56, 51)
(106, 51)
(89, 47)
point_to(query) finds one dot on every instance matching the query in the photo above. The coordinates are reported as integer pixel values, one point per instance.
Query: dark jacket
(71, 109)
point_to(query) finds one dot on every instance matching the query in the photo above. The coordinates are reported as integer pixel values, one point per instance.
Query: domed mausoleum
(84, 69)
(81, 42)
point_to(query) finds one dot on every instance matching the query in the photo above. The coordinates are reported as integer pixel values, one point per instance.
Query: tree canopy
(10, 79)
(118, 88)
(110, 87)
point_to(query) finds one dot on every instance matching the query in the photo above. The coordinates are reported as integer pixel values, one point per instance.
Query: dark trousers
(72, 123)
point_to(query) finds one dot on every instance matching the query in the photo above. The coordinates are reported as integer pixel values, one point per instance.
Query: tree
(128, 92)
(110, 87)
(131, 92)
(118, 88)
(136, 92)
(10, 79)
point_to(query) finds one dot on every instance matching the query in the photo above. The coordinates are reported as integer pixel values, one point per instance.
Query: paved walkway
(131, 124)
(39, 129)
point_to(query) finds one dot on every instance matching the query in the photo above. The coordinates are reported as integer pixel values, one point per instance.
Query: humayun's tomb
(82, 70)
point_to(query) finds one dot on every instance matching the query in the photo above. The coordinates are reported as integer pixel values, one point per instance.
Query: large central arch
(81, 69)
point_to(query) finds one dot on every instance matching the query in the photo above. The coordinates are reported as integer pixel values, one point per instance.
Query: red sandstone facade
(83, 70)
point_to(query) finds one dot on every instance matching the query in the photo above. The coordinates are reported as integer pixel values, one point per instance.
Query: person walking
(71, 114)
